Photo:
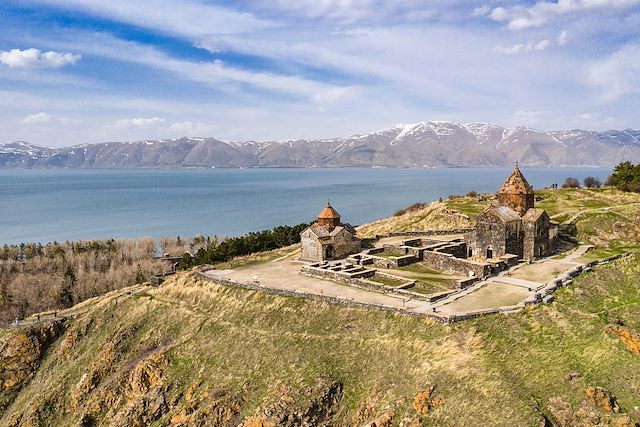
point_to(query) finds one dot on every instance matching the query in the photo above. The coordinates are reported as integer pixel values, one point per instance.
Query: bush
(260, 241)
(591, 182)
(571, 183)
(454, 196)
(472, 194)
(626, 177)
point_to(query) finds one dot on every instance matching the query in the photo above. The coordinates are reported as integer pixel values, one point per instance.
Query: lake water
(47, 205)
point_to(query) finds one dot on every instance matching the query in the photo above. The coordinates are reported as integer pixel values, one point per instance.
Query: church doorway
(489, 253)
(330, 252)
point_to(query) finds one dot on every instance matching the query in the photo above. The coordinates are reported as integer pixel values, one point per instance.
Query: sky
(86, 71)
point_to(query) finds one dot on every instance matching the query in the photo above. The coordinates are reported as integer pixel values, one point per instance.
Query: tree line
(625, 177)
(220, 251)
(36, 277)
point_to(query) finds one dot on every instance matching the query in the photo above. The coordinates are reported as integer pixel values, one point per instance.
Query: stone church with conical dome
(513, 226)
(328, 238)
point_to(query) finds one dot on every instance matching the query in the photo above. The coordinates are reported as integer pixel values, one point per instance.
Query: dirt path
(77, 310)
(585, 211)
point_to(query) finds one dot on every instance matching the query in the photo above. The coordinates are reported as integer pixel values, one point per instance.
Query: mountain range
(424, 144)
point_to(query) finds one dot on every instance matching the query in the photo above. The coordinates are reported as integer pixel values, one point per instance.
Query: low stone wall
(465, 283)
(426, 233)
(337, 274)
(362, 282)
(545, 293)
(156, 280)
(457, 249)
(322, 298)
(542, 296)
(393, 262)
(447, 262)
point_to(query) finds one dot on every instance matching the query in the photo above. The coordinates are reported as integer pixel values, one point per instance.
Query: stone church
(328, 238)
(514, 226)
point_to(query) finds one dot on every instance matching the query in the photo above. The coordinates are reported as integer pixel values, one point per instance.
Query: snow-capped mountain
(424, 144)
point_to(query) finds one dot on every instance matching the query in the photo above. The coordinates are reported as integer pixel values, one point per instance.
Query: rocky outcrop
(628, 338)
(21, 352)
(598, 409)
(602, 399)
(315, 406)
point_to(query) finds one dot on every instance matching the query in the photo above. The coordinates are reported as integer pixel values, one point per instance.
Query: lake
(48, 205)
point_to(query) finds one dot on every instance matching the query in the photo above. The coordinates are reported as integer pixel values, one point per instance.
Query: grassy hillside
(191, 353)
(224, 355)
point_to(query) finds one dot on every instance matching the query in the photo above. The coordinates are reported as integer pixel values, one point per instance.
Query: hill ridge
(421, 144)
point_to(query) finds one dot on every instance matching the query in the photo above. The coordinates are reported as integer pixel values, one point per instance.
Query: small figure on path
(38, 317)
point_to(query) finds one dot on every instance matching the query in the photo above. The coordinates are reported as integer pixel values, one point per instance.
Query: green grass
(469, 206)
(388, 281)
(419, 268)
(535, 350)
(489, 370)
(427, 286)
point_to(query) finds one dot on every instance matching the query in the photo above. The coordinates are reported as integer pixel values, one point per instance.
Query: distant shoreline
(159, 168)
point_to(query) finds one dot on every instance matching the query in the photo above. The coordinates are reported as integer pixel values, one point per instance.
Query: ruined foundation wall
(447, 262)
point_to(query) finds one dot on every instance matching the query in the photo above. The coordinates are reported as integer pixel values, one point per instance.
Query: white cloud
(34, 58)
(510, 50)
(562, 38)
(191, 18)
(520, 17)
(217, 73)
(189, 128)
(541, 45)
(522, 47)
(139, 122)
(42, 118)
(618, 74)
(37, 118)
(481, 10)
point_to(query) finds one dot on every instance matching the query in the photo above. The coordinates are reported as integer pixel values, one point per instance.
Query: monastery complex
(507, 232)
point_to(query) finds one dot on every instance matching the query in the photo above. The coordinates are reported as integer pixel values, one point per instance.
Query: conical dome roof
(328, 213)
(516, 193)
(516, 184)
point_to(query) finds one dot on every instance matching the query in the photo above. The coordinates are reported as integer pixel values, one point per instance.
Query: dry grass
(434, 216)
(488, 371)
(494, 294)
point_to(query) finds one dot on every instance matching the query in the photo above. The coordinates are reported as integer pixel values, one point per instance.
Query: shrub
(591, 182)
(626, 177)
(472, 194)
(260, 241)
(571, 183)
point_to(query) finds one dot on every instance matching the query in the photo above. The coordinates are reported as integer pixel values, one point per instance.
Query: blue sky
(84, 71)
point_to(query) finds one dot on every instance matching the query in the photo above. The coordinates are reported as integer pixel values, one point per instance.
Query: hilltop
(190, 353)
(424, 144)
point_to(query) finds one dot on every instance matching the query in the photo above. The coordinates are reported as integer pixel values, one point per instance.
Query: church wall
(311, 247)
(514, 236)
(537, 242)
(344, 244)
(490, 233)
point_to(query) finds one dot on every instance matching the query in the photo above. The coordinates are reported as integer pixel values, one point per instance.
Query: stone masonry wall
(447, 262)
